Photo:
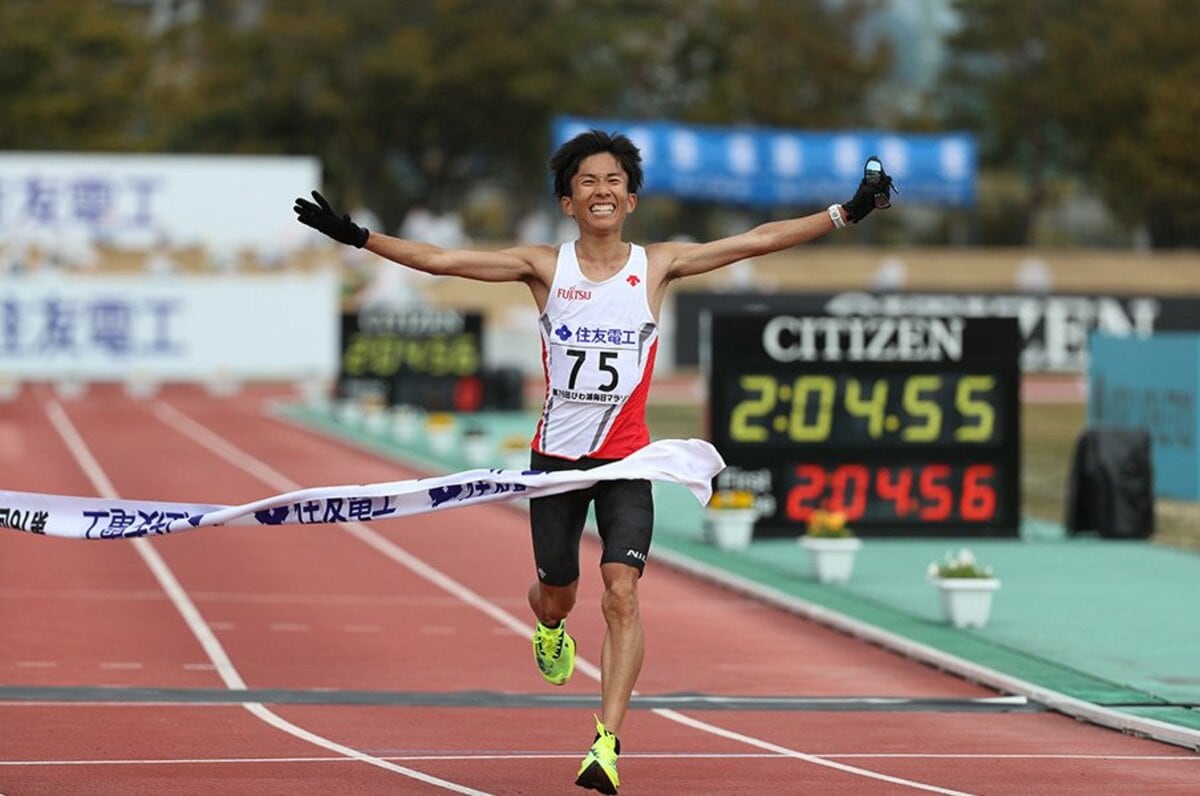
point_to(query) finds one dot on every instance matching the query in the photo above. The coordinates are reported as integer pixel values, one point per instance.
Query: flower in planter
(959, 565)
(965, 588)
(514, 450)
(831, 546)
(440, 434)
(730, 518)
(437, 421)
(731, 499)
(828, 525)
(515, 443)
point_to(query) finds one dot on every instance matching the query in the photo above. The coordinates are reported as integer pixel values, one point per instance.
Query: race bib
(596, 365)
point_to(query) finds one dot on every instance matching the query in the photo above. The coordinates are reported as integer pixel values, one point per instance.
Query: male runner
(599, 300)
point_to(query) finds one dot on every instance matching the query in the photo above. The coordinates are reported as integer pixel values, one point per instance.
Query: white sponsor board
(181, 328)
(135, 201)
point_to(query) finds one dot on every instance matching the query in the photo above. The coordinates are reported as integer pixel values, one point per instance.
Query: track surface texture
(394, 657)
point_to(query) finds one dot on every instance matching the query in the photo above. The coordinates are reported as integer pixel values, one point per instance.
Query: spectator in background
(599, 299)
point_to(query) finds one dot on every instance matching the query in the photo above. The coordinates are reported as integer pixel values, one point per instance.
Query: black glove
(875, 191)
(322, 218)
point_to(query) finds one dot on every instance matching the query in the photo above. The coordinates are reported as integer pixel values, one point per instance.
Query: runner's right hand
(322, 217)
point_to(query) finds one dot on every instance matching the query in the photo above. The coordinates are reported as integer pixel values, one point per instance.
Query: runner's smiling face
(600, 198)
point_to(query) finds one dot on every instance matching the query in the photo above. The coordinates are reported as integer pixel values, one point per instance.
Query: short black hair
(565, 162)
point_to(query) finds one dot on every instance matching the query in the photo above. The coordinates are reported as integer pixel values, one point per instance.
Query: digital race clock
(908, 425)
(432, 358)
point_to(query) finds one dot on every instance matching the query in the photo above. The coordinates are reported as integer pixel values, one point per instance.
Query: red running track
(394, 658)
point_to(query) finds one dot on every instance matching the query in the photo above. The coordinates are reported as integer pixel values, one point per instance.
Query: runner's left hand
(874, 192)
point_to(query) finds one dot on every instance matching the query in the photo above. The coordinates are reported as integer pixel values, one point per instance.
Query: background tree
(996, 85)
(786, 63)
(790, 63)
(404, 103)
(1128, 94)
(1099, 95)
(417, 102)
(71, 76)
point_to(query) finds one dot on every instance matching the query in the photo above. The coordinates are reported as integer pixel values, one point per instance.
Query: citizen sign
(411, 323)
(1055, 328)
(787, 338)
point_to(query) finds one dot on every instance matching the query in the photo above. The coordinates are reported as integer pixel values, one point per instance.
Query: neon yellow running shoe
(554, 652)
(599, 769)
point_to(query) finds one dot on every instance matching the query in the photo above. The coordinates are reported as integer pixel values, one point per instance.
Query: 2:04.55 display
(847, 409)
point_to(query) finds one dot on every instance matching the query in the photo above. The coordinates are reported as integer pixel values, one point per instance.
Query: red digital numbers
(895, 485)
(806, 496)
(933, 493)
(978, 502)
(934, 487)
(468, 394)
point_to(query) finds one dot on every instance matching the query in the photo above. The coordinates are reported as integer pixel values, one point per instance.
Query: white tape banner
(692, 463)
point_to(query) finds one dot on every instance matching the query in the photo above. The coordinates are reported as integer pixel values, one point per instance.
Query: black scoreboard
(908, 425)
(431, 358)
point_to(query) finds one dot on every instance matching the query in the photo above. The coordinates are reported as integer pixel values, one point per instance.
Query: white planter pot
(441, 433)
(476, 449)
(406, 424)
(730, 529)
(966, 602)
(442, 439)
(349, 411)
(517, 460)
(375, 419)
(10, 388)
(832, 559)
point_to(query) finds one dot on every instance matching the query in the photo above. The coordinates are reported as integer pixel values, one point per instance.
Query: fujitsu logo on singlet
(574, 294)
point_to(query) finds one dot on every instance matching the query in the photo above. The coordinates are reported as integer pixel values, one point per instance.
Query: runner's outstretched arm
(689, 259)
(508, 265)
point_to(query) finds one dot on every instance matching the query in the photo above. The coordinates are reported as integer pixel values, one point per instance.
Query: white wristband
(835, 215)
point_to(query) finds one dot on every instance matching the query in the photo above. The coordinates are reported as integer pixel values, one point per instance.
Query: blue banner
(763, 166)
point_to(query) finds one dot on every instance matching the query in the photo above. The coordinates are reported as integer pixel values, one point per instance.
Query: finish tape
(692, 463)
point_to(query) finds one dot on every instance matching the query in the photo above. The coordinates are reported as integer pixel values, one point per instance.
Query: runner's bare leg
(624, 643)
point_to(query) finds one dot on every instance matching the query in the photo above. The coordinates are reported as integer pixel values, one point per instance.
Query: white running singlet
(599, 340)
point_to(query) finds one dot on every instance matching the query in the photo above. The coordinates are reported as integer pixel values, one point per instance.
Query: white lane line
(195, 622)
(781, 750)
(122, 665)
(466, 756)
(93, 595)
(437, 630)
(166, 579)
(90, 595)
(381, 544)
(276, 480)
